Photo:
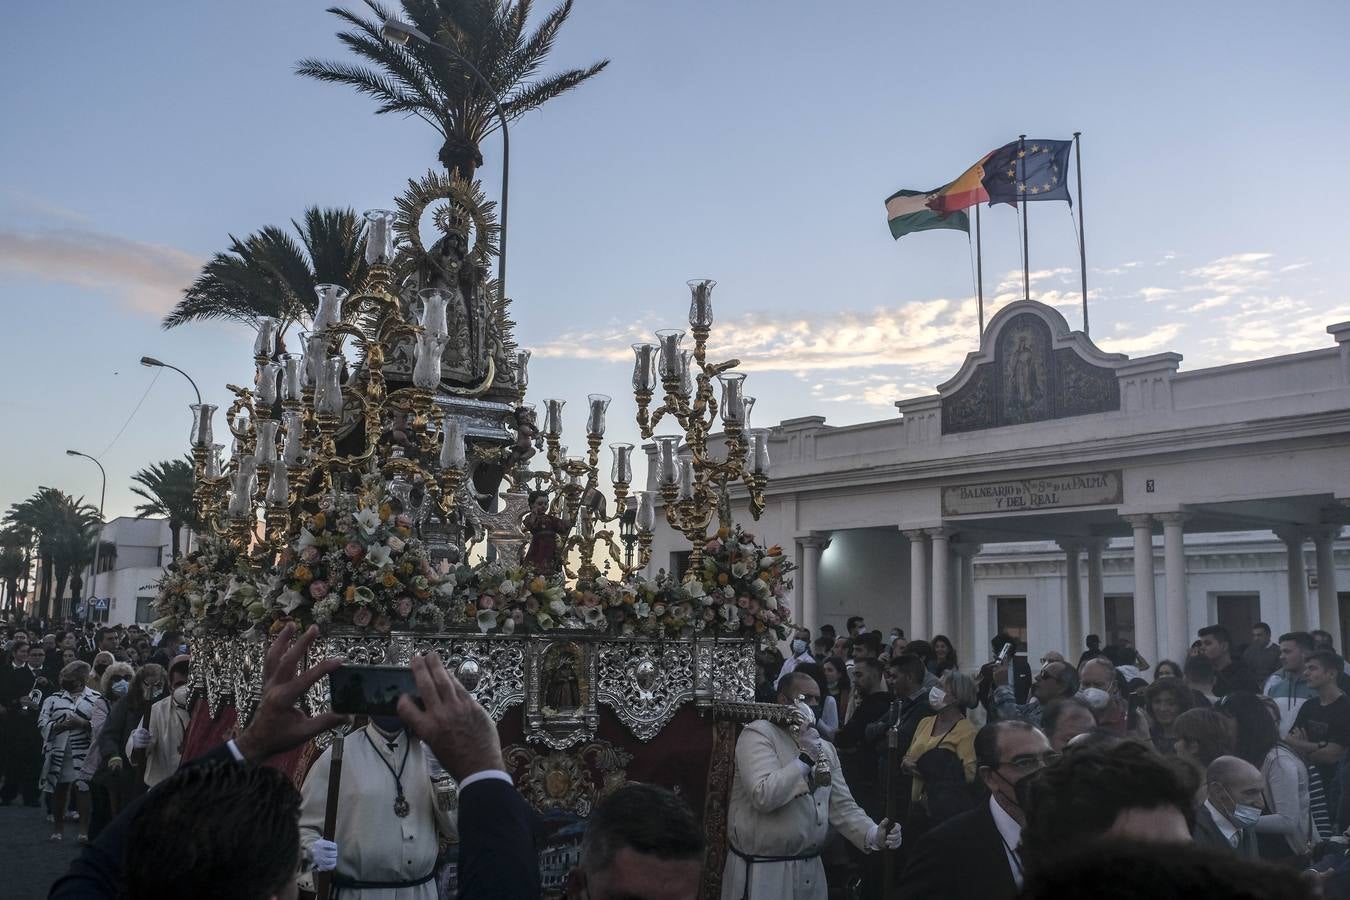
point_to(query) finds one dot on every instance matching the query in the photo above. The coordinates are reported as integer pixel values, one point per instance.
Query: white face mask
(1094, 697)
(180, 695)
(937, 697)
(799, 647)
(1245, 816)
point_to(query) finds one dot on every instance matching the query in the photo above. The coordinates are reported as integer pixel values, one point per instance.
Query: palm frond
(531, 96)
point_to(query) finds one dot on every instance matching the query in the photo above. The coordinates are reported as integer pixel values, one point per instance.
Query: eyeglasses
(1032, 762)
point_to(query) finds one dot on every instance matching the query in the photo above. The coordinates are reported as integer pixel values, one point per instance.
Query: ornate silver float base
(561, 678)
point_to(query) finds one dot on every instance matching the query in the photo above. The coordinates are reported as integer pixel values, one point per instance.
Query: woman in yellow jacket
(948, 728)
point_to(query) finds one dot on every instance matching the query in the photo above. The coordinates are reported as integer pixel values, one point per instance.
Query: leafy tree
(436, 86)
(63, 527)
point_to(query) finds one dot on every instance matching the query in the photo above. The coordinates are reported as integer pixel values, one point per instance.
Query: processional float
(388, 481)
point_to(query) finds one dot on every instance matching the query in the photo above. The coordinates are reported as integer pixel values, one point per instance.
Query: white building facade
(127, 579)
(1052, 490)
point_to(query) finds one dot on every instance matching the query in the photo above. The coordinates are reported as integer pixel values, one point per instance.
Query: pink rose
(354, 550)
(404, 607)
(743, 602)
(361, 618)
(518, 616)
(711, 546)
(309, 554)
(487, 601)
(318, 589)
(589, 599)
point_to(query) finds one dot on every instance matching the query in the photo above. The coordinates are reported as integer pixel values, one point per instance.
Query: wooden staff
(323, 881)
(892, 801)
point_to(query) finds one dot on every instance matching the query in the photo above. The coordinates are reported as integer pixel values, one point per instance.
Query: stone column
(1178, 640)
(812, 546)
(941, 595)
(1145, 609)
(1328, 605)
(1298, 577)
(972, 620)
(1096, 595)
(919, 623)
(1073, 597)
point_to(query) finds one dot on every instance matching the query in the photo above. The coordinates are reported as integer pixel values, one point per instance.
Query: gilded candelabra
(695, 483)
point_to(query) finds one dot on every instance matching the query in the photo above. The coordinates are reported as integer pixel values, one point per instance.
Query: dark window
(1119, 619)
(1010, 618)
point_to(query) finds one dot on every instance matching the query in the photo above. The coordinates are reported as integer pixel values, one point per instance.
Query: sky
(753, 142)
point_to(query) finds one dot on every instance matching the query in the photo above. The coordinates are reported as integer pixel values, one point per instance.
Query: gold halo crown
(451, 218)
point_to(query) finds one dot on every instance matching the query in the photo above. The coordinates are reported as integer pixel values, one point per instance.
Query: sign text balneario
(1049, 492)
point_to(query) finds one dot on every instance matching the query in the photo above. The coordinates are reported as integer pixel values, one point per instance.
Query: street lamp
(98, 542)
(151, 363)
(396, 32)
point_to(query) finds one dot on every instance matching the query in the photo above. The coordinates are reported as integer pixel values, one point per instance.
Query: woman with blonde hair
(113, 686)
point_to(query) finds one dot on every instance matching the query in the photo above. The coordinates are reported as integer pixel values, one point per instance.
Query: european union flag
(1028, 170)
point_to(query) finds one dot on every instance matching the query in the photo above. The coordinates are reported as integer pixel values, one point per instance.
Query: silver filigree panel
(645, 683)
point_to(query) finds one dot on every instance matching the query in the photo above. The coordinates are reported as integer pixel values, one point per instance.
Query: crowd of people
(997, 770)
(90, 717)
(892, 765)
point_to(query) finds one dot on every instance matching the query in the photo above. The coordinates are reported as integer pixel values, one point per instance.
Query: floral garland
(361, 568)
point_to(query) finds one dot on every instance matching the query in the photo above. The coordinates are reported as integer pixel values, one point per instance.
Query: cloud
(1154, 294)
(150, 278)
(1155, 341)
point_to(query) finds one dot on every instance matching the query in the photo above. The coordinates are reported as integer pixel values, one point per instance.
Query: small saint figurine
(546, 536)
(527, 442)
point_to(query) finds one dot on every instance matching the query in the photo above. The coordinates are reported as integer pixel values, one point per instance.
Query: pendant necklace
(401, 807)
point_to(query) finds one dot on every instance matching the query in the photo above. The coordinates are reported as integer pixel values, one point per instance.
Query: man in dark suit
(975, 855)
(23, 687)
(497, 855)
(1235, 798)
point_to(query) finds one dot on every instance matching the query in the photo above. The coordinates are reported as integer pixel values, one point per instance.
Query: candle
(292, 376)
(622, 470)
(201, 424)
(733, 407)
(278, 486)
(265, 344)
(700, 302)
(452, 443)
(330, 305)
(553, 425)
(595, 420)
(646, 511)
(644, 378)
(522, 370)
(434, 301)
(293, 452)
(669, 341)
(761, 464)
(667, 465)
(686, 478)
(266, 450)
(379, 236)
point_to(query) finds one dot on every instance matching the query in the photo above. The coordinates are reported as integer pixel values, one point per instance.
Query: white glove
(877, 836)
(140, 738)
(324, 854)
(810, 742)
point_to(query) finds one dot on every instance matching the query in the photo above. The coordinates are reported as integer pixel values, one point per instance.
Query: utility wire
(139, 403)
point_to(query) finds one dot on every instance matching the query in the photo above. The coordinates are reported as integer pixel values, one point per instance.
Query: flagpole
(1026, 263)
(1082, 238)
(979, 271)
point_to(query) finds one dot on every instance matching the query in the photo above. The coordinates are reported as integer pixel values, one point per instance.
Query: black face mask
(100, 668)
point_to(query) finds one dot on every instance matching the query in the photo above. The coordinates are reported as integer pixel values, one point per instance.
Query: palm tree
(73, 548)
(167, 488)
(270, 273)
(62, 526)
(436, 87)
(14, 544)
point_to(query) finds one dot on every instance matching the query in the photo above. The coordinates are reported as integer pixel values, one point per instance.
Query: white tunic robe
(773, 812)
(373, 843)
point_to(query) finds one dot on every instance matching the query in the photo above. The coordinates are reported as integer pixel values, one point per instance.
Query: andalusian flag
(908, 211)
(939, 208)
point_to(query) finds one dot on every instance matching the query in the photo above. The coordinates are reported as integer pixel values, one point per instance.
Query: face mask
(100, 668)
(182, 648)
(936, 697)
(1094, 697)
(180, 695)
(1245, 816)
(798, 647)
(151, 691)
(120, 688)
(388, 724)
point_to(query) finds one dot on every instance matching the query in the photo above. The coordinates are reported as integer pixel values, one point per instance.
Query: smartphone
(370, 690)
(1004, 651)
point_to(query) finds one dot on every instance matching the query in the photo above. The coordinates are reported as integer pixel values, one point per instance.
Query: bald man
(1235, 799)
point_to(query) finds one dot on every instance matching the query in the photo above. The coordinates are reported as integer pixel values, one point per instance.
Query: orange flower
(775, 550)
(724, 532)
(302, 573)
(470, 610)
(350, 594)
(723, 578)
(389, 580)
(320, 520)
(386, 510)
(538, 585)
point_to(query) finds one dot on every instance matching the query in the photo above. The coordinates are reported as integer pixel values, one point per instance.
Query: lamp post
(151, 363)
(98, 542)
(396, 32)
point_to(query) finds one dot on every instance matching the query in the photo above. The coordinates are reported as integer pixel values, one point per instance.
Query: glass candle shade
(522, 370)
(700, 302)
(213, 460)
(278, 485)
(292, 376)
(760, 465)
(241, 496)
(733, 397)
(293, 451)
(240, 426)
(202, 435)
(328, 392)
(686, 373)
(379, 236)
(644, 376)
(595, 417)
(452, 443)
(331, 297)
(427, 360)
(749, 404)
(316, 351)
(667, 462)
(434, 302)
(267, 383)
(622, 470)
(266, 448)
(265, 344)
(553, 424)
(646, 511)
(668, 340)
(401, 489)
(686, 478)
